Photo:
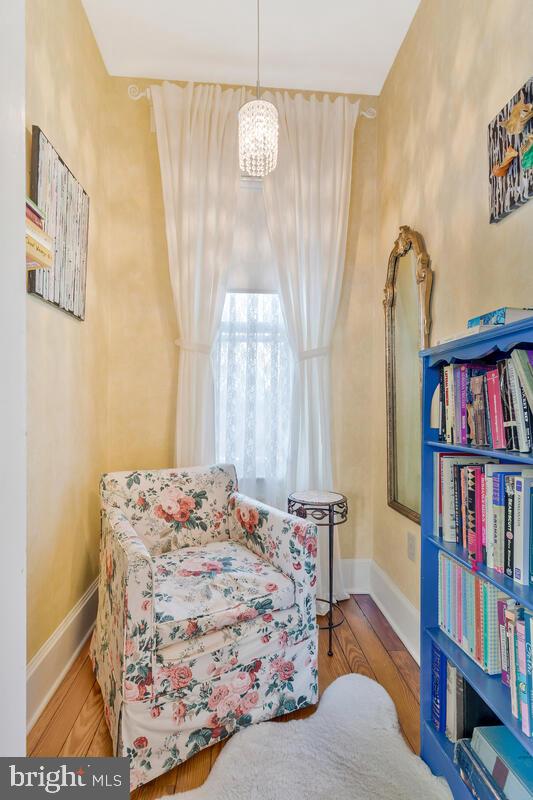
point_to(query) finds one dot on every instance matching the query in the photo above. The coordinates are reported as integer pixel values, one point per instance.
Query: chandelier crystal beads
(258, 138)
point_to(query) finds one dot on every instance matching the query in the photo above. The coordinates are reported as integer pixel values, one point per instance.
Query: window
(253, 390)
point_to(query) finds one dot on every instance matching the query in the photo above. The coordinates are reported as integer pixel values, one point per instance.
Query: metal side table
(326, 509)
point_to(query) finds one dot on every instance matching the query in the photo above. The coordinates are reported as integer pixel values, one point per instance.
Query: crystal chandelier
(258, 131)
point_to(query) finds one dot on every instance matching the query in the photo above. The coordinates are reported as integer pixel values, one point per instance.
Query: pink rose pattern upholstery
(240, 648)
(204, 588)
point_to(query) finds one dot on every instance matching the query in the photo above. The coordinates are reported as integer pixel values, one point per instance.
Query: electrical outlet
(411, 546)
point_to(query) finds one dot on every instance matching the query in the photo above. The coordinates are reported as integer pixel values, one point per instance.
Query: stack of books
(493, 764)
(468, 613)
(486, 508)
(490, 320)
(516, 640)
(39, 245)
(488, 405)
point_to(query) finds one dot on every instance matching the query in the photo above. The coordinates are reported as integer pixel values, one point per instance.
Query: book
(474, 774)
(509, 525)
(504, 645)
(438, 688)
(521, 538)
(511, 616)
(495, 409)
(528, 620)
(505, 759)
(498, 513)
(521, 677)
(523, 363)
(500, 316)
(37, 252)
(451, 702)
(518, 408)
(509, 422)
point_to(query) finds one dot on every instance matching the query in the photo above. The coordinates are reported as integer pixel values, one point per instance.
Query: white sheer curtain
(252, 375)
(307, 202)
(196, 130)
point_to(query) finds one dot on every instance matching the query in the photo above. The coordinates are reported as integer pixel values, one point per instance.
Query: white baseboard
(356, 574)
(50, 664)
(364, 576)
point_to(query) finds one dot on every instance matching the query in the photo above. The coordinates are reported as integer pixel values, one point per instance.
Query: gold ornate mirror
(407, 326)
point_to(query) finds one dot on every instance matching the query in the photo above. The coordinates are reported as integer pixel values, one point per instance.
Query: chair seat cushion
(208, 587)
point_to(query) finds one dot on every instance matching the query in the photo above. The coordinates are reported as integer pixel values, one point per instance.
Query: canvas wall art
(510, 144)
(65, 206)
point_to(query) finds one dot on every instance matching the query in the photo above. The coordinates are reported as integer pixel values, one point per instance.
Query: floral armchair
(206, 617)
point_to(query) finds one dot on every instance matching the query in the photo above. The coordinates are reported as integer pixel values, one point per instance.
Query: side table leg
(330, 615)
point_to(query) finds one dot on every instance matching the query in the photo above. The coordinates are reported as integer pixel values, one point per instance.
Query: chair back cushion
(173, 508)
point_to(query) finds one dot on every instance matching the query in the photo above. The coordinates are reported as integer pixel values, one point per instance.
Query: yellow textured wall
(352, 351)
(143, 359)
(100, 392)
(67, 416)
(460, 63)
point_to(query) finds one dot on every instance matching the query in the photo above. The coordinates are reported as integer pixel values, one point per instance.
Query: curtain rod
(134, 93)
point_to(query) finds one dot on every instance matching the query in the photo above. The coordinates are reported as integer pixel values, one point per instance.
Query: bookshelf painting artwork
(65, 207)
(510, 144)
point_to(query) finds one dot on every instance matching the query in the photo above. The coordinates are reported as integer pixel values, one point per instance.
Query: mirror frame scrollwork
(408, 239)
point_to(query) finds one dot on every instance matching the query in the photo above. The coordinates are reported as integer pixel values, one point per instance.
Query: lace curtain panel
(252, 365)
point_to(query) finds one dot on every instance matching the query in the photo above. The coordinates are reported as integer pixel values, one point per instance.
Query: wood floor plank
(192, 773)
(346, 641)
(101, 744)
(409, 670)
(57, 698)
(60, 724)
(386, 672)
(389, 639)
(82, 732)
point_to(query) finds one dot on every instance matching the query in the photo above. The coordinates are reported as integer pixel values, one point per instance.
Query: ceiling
(326, 45)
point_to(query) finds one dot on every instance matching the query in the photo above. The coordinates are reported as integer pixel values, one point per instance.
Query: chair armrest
(287, 541)
(126, 606)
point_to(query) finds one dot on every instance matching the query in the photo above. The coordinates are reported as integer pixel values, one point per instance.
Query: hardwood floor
(73, 724)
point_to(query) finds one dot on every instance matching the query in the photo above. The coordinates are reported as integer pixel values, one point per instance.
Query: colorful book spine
(463, 379)
(504, 645)
(521, 541)
(496, 410)
(439, 675)
(523, 362)
(531, 538)
(528, 619)
(483, 513)
(509, 526)
(510, 625)
(521, 677)
(516, 399)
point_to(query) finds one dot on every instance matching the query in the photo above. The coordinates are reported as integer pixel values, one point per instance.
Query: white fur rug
(351, 748)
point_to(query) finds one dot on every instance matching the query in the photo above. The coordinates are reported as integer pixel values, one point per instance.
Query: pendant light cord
(257, 90)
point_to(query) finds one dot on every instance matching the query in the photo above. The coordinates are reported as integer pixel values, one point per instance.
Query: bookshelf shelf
(526, 459)
(489, 687)
(436, 751)
(523, 594)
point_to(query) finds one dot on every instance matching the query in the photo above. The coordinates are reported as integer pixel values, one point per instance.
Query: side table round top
(317, 498)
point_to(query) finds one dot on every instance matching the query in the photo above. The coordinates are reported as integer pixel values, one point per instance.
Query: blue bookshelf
(435, 749)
